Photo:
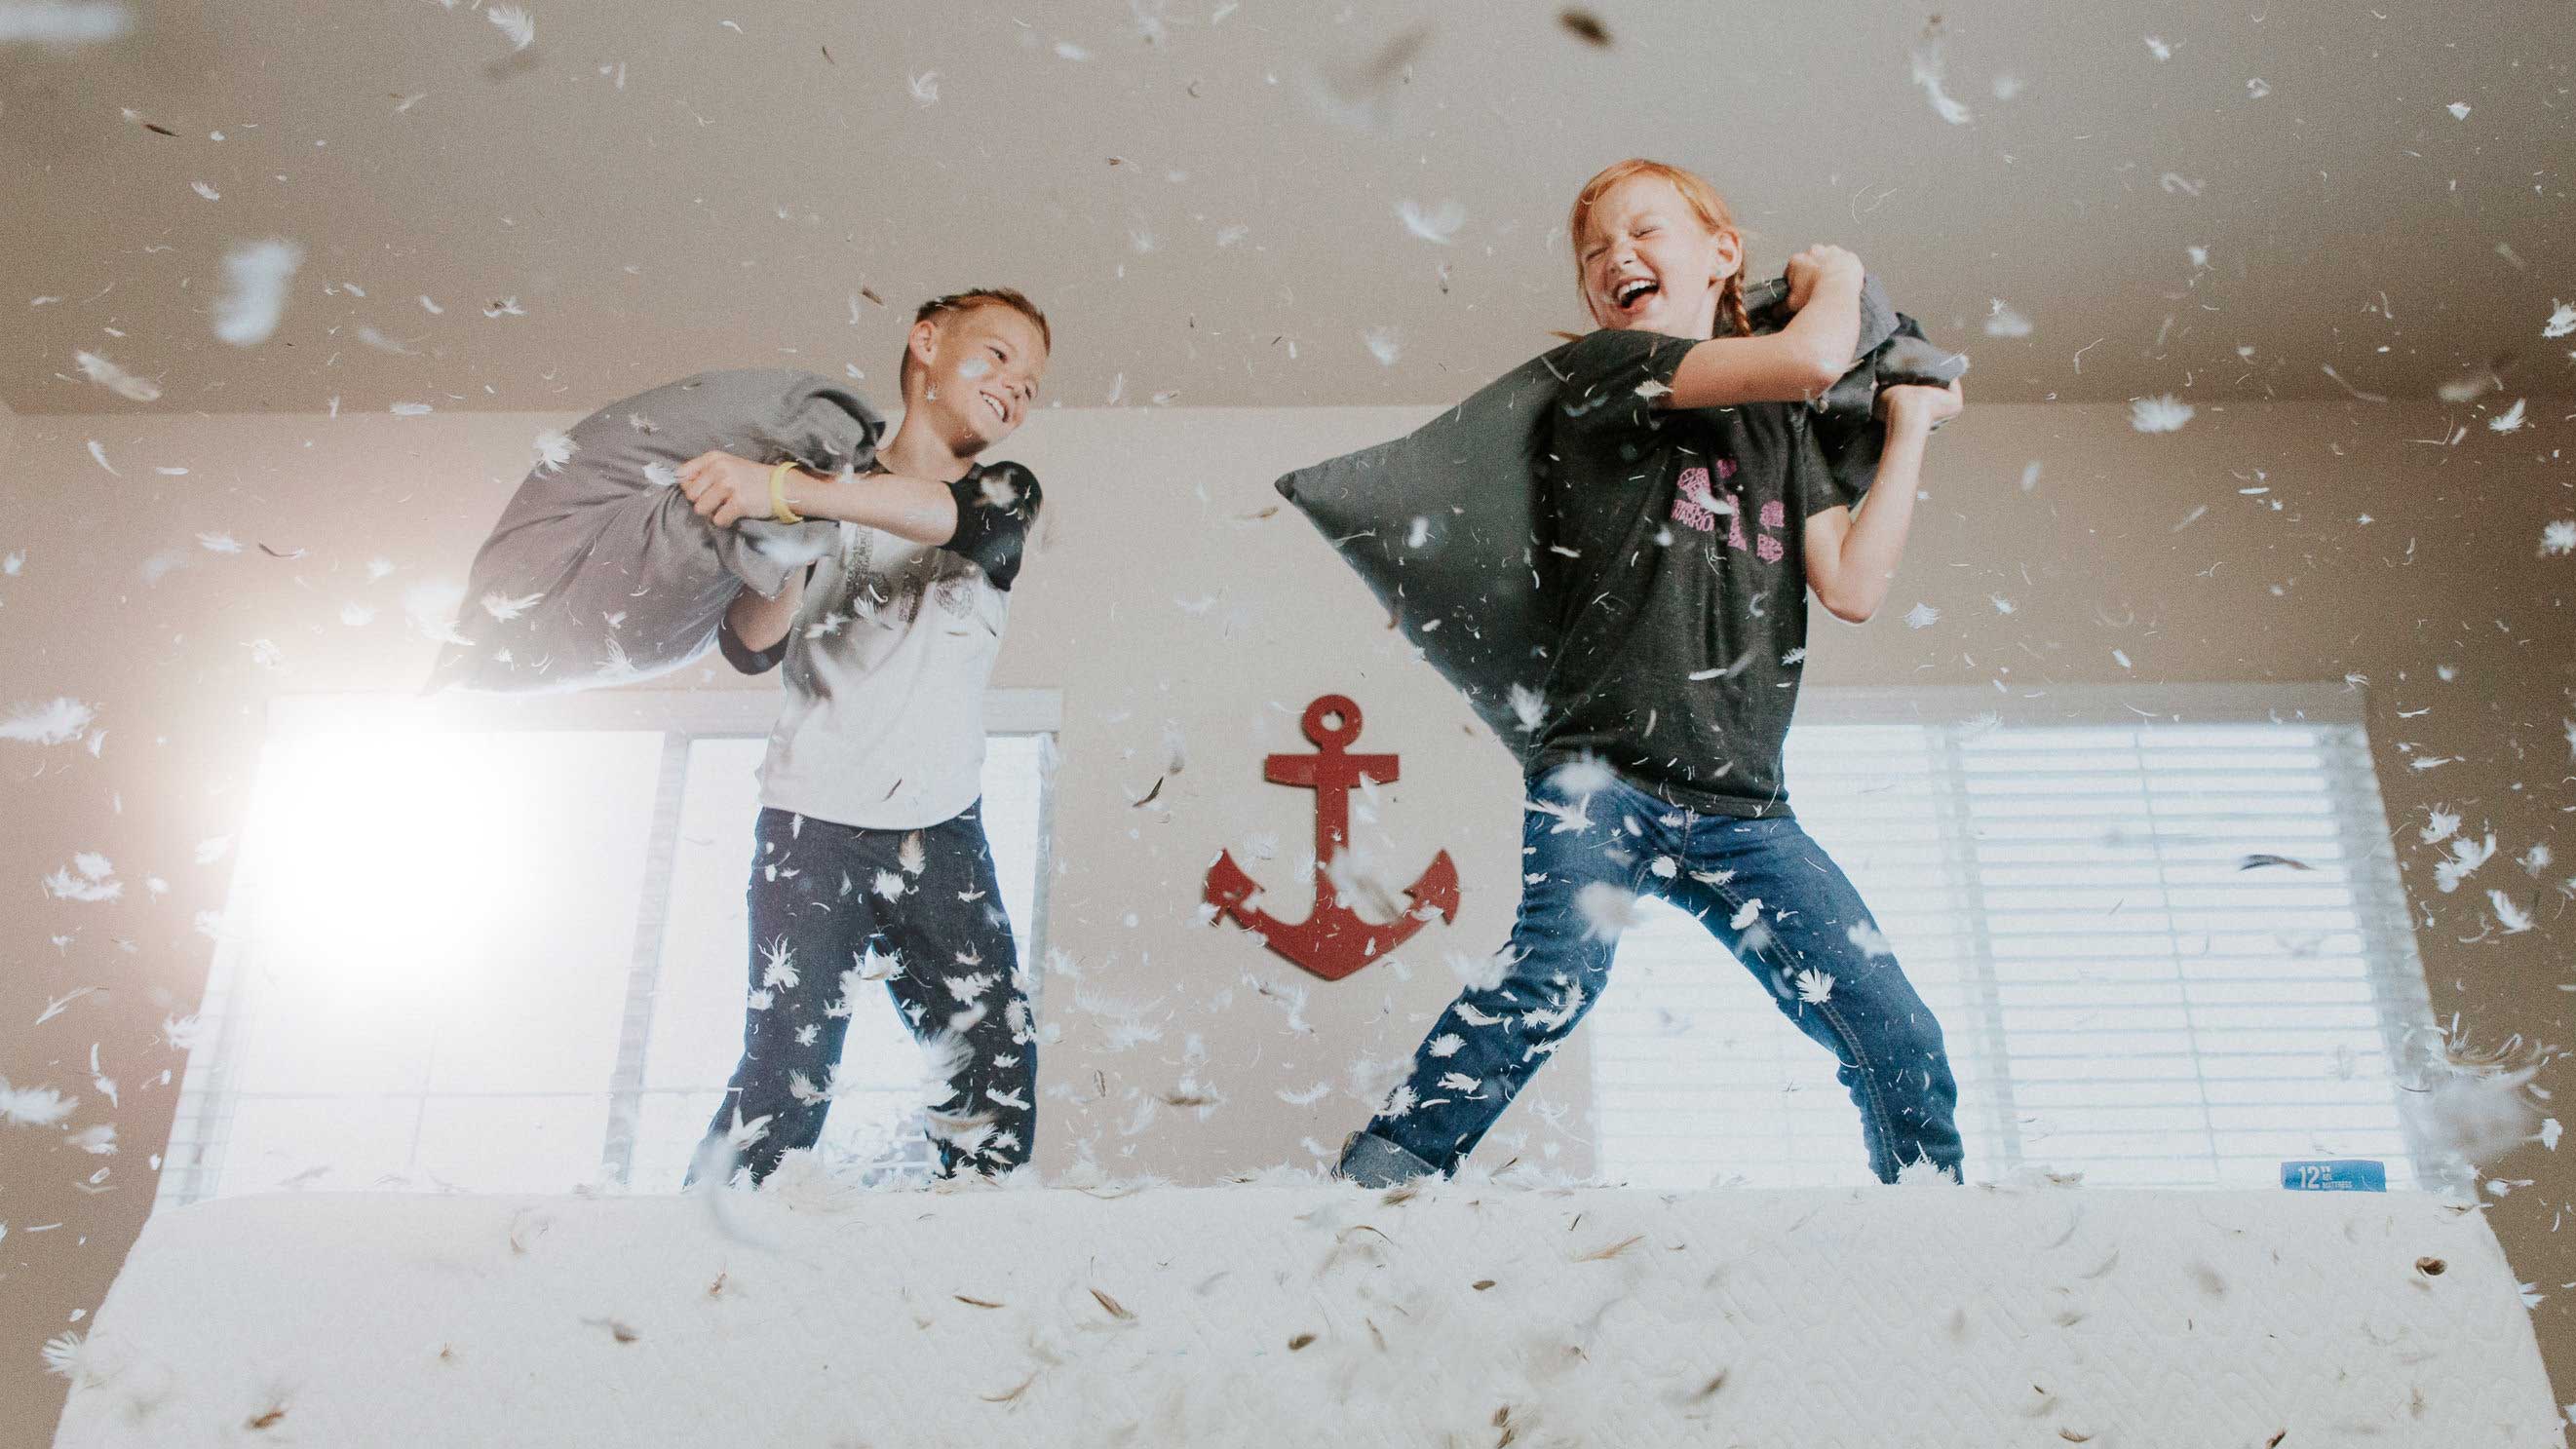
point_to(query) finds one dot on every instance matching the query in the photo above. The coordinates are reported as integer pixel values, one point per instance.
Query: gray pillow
(1437, 523)
(599, 572)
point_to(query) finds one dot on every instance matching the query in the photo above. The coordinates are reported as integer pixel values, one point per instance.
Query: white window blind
(2167, 948)
(500, 945)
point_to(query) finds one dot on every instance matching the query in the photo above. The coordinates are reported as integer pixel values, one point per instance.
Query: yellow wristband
(778, 508)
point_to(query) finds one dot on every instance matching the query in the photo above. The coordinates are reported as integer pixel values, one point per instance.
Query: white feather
(67, 1355)
(116, 379)
(58, 25)
(1606, 909)
(2512, 917)
(1440, 224)
(2164, 414)
(504, 608)
(2465, 857)
(2480, 1115)
(554, 449)
(1927, 67)
(33, 1106)
(515, 23)
(57, 723)
(1868, 939)
(432, 607)
(255, 278)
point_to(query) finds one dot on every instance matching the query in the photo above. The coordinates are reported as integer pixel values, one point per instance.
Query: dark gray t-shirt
(1671, 553)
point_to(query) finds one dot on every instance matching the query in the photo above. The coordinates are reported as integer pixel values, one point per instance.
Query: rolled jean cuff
(1372, 1161)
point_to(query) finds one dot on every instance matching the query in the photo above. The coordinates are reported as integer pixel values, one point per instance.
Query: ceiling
(1209, 197)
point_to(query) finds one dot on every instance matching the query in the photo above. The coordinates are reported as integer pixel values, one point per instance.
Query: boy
(871, 862)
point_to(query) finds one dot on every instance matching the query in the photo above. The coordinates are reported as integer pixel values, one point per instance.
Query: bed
(1300, 1313)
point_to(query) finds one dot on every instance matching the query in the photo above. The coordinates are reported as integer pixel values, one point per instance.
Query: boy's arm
(1852, 553)
(755, 628)
(917, 509)
(984, 516)
(727, 489)
(1798, 363)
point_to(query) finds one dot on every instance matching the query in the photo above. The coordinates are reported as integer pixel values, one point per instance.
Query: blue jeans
(1581, 859)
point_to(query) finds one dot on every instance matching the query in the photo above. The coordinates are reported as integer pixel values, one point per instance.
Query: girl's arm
(1795, 364)
(727, 489)
(1852, 555)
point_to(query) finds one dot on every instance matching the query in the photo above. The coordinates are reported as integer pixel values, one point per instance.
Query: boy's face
(980, 370)
(1649, 263)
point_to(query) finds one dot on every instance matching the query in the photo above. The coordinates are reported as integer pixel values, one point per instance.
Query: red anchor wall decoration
(1333, 941)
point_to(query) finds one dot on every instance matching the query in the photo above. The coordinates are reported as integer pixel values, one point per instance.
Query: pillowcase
(1438, 522)
(600, 572)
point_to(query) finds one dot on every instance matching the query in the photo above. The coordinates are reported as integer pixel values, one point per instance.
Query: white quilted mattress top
(1311, 1315)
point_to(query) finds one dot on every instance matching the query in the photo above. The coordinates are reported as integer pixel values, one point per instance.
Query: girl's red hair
(1704, 203)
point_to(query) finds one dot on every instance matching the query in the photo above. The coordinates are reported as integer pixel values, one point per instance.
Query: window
(2071, 884)
(499, 945)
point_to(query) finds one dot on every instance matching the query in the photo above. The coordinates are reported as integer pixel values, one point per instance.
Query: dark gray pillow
(599, 572)
(1437, 523)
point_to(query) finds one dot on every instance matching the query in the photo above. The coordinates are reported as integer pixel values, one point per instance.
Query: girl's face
(1649, 264)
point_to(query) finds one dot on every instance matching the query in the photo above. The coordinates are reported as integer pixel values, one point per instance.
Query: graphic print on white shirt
(884, 720)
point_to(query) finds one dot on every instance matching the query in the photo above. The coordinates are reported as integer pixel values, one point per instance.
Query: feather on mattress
(1260, 1315)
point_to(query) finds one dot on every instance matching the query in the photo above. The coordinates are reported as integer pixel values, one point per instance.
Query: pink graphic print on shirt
(1697, 505)
(1768, 547)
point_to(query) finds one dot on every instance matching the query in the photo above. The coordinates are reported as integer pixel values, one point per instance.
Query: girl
(1685, 513)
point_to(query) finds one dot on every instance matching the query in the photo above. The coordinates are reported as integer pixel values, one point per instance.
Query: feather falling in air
(554, 449)
(1606, 909)
(63, 25)
(2165, 414)
(2479, 1114)
(255, 278)
(90, 877)
(514, 22)
(1927, 69)
(57, 723)
(2465, 857)
(1439, 224)
(33, 1106)
(116, 379)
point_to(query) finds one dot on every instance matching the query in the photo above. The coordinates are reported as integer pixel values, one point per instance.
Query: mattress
(1464, 1314)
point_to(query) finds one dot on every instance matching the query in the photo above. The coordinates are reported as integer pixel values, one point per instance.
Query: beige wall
(1149, 508)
